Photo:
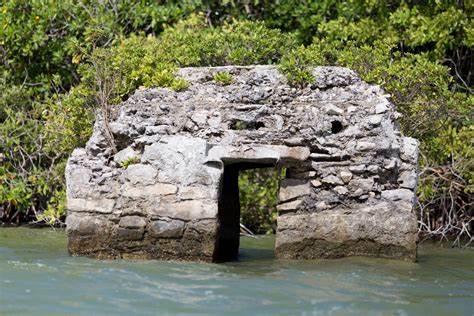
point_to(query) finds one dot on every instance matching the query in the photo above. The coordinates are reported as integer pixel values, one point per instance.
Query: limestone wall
(350, 180)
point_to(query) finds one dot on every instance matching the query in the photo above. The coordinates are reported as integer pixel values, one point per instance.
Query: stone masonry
(171, 192)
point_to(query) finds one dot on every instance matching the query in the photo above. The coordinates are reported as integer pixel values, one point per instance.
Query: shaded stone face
(349, 187)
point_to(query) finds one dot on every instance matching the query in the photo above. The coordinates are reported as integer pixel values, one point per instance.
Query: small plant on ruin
(129, 161)
(223, 78)
(179, 84)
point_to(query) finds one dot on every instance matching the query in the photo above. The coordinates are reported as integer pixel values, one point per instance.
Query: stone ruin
(171, 190)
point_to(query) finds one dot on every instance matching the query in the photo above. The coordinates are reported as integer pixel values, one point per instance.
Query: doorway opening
(248, 196)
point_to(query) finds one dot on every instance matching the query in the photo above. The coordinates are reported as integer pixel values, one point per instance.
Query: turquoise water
(38, 277)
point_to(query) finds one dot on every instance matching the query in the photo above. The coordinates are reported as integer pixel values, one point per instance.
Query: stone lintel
(258, 154)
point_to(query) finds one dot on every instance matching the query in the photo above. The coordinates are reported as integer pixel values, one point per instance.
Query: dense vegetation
(61, 60)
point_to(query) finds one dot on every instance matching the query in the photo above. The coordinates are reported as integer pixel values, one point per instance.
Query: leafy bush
(298, 63)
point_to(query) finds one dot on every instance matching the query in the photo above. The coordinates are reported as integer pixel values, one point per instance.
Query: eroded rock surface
(349, 187)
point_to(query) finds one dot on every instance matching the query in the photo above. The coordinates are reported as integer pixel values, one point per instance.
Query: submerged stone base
(194, 241)
(385, 231)
(171, 190)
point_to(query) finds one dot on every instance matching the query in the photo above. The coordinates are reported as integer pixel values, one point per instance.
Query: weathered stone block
(341, 190)
(375, 120)
(316, 183)
(130, 234)
(245, 153)
(125, 154)
(292, 154)
(179, 159)
(381, 107)
(79, 178)
(408, 179)
(158, 189)
(85, 224)
(132, 222)
(141, 174)
(346, 176)
(93, 206)
(331, 109)
(358, 168)
(188, 210)
(409, 150)
(292, 188)
(167, 228)
(398, 194)
(290, 206)
(197, 193)
(365, 185)
(332, 179)
(365, 146)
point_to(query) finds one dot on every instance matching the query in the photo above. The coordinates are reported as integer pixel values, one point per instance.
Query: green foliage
(298, 64)
(224, 78)
(240, 125)
(55, 209)
(24, 181)
(258, 194)
(41, 38)
(129, 161)
(179, 84)
(193, 43)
